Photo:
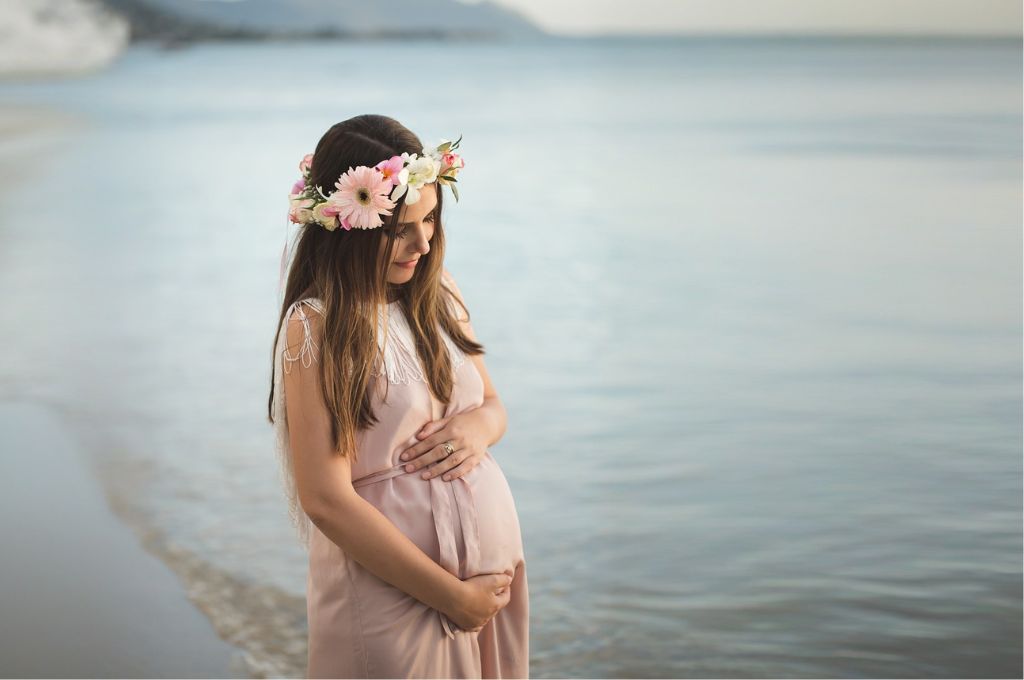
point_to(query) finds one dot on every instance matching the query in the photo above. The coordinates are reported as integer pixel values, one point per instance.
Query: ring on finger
(431, 470)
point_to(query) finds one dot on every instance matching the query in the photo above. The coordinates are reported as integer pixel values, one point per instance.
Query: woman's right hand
(481, 598)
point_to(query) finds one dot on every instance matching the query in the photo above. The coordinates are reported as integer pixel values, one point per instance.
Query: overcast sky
(972, 17)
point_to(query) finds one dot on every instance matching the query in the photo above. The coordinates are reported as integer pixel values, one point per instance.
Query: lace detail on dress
(309, 350)
(401, 362)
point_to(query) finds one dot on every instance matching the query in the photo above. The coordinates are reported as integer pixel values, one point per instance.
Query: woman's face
(412, 236)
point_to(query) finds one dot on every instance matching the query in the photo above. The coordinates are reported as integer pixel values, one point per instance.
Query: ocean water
(753, 306)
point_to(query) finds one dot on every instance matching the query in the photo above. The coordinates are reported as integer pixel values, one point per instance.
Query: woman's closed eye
(401, 234)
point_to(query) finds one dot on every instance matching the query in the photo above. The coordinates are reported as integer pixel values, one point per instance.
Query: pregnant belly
(468, 525)
(496, 531)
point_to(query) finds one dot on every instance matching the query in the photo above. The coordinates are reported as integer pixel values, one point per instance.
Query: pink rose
(299, 210)
(452, 162)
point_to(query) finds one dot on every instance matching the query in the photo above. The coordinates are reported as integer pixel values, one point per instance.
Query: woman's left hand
(466, 440)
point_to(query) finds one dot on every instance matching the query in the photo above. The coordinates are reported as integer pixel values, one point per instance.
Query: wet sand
(80, 597)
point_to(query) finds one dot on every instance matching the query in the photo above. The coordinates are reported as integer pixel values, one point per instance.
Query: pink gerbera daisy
(362, 197)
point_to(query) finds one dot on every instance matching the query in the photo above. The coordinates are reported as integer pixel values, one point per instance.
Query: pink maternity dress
(360, 626)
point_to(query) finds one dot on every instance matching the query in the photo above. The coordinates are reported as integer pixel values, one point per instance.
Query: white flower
(423, 170)
(419, 171)
(434, 153)
(403, 176)
(411, 192)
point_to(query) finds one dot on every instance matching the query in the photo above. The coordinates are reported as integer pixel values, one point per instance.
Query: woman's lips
(407, 265)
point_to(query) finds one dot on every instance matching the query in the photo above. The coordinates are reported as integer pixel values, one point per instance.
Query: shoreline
(82, 597)
(240, 629)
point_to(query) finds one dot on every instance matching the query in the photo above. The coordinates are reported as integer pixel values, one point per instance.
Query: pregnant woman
(384, 411)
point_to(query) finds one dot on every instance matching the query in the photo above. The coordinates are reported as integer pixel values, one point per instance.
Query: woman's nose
(422, 246)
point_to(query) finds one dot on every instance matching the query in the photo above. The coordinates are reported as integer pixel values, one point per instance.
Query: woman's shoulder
(306, 304)
(448, 279)
(457, 302)
(303, 321)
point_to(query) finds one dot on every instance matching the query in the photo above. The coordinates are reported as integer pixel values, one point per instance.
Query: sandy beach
(81, 598)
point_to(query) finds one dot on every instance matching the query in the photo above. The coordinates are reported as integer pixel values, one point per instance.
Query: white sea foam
(56, 37)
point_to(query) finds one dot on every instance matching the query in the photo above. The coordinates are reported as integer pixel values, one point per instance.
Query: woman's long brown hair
(347, 271)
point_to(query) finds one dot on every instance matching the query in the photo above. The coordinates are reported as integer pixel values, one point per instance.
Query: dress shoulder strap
(308, 351)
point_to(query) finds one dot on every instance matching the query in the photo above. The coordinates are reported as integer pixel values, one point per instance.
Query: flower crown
(364, 194)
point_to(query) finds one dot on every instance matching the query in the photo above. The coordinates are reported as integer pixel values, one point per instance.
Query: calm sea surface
(754, 309)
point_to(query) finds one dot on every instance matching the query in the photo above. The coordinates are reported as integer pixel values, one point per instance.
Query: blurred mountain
(53, 37)
(50, 37)
(171, 21)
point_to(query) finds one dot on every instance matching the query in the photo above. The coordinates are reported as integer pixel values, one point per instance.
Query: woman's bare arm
(324, 482)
